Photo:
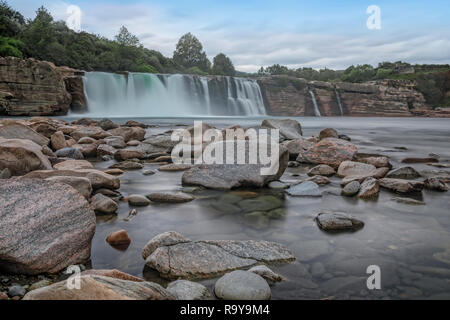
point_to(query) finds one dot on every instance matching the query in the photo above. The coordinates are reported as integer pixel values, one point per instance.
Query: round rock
(242, 285)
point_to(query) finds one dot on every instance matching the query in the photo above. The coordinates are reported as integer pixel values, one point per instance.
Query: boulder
(22, 156)
(188, 290)
(105, 150)
(119, 238)
(44, 128)
(102, 204)
(289, 129)
(351, 189)
(435, 184)
(378, 162)
(138, 200)
(169, 238)
(107, 124)
(58, 141)
(401, 185)
(242, 285)
(72, 153)
(297, 146)
(127, 154)
(170, 197)
(321, 170)
(320, 180)
(329, 151)
(88, 150)
(129, 133)
(94, 287)
(54, 231)
(207, 259)
(82, 185)
(305, 189)
(73, 165)
(351, 168)
(403, 173)
(335, 221)
(328, 133)
(127, 165)
(370, 188)
(117, 142)
(91, 132)
(19, 131)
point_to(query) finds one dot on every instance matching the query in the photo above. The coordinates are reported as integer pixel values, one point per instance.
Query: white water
(338, 98)
(152, 95)
(316, 107)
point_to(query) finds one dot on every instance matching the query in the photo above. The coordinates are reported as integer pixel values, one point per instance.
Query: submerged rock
(305, 189)
(403, 173)
(408, 201)
(401, 185)
(242, 285)
(54, 231)
(188, 290)
(334, 221)
(435, 184)
(138, 200)
(171, 197)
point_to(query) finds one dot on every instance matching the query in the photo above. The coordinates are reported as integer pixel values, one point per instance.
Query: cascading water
(152, 95)
(316, 107)
(339, 101)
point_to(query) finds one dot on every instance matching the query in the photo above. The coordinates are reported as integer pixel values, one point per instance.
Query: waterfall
(316, 107)
(338, 98)
(176, 95)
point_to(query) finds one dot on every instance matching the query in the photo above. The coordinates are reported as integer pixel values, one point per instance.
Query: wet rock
(107, 124)
(127, 165)
(117, 142)
(119, 238)
(138, 200)
(82, 185)
(16, 291)
(170, 197)
(21, 156)
(370, 188)
(87, 140)
(131, 215)
(103, 204)
(72, 153)
(351, 189)
(73, 165)
(270, 276)
(401, 185)
(105, 150)
(95, 287)
(96, 133)
(114, 172)
(328, 133)
(289, 129)
(403, 173)
(297, 146)
(149, 172)
(160, 143)
(22, 132)
(322, 170)
(127, 154)
(378, 162)
(188, 290)
(88, 150)
(435, 184)
(345, 137)
(129, 133)
(242, 285)
(206, 259)
(168, 239)
(335, 221)
(305, 189)
(175, 167)
(320, 180)
(351, 168)
(58, 141)
(329, 151)
(5, 174)
(408, 201)
(54, 231)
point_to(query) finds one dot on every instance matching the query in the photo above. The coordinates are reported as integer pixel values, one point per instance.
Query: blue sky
(254, 33)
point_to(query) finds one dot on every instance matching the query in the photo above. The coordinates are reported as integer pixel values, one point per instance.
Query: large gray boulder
(45, 226)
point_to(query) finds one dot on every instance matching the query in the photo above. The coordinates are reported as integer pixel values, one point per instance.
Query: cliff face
(285, 96)
(34, 88)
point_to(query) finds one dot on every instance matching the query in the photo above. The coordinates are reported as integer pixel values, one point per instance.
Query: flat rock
(170, 197)
(305, 189)
(94, 287)
(54, 231)
(73, 165)
(335, 221)
(22, 156)
(289, 129)
(321, 170)
(403, 173)
(351, 168)
(102, 204)
(401, 185)
(188, 290)
(242, 285)
(20, 131)
(378, 162)
(320, 180)
(175, 167)
(329, 151)
(169, 238)
(127, 165)
(138, 200)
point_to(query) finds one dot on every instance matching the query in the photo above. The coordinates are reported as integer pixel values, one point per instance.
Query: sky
(254, 33)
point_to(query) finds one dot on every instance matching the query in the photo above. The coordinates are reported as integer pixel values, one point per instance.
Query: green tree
(223, 66)
(189, 53)
(125, 38)
(11, 21)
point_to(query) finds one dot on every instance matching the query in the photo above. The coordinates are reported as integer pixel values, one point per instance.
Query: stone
(435, 184)
(103, 204)
(408, 201)
(48, 152)
(82, 185)
(242, 285)
(54, 231)
(5, 174)
(20, 131)
(401, 185)
(262, 203)
(207, 259)
(43, 128)
(127, 165)
(149, 172)
(175, 167)
(270, 276)
(117, 142)
(188, 290)
(169, 238)
(127, 154)
(88, 122)
(87, 140)
(370, 189)
(94, 287)
(129, 133)
(335, 221)
(111, 273)
(3, 296)
(107, 124)
(138, 200)
(133, 123)
(320, 180)
(170, 197)
(73, 165)
(328, 133)
(58, 141)
(351, 189)
(297, 146)
(321, 170)
(133, 143)
(22, 156)
(408, 173)
(289, 129)
(72, 153)
(119, 238)
(305, 189)
(329, 151)
(351, 168)
(105, 150)
(16, 291)
(378, 162)
(114, 172)
(91, 132)
(88, 150)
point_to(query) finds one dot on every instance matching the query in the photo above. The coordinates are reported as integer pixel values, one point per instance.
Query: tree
(11, 21)
(189, 53)
(125, 38)
(223, 66)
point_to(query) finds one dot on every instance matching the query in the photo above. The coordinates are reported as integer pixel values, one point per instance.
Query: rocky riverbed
(104, 195)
